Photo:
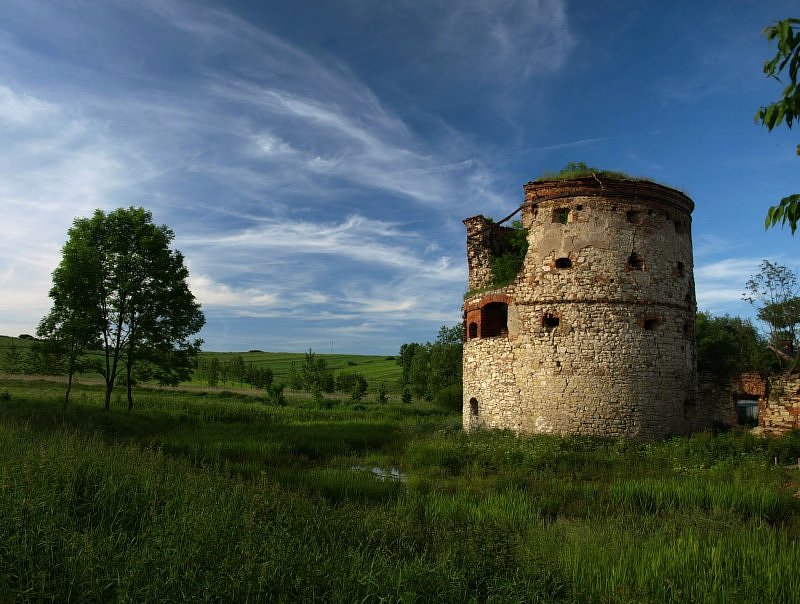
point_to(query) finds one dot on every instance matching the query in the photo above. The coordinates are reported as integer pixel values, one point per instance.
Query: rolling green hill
(374, 368)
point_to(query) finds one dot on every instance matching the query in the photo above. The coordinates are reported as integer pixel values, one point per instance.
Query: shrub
(450, 398)
(5, 395)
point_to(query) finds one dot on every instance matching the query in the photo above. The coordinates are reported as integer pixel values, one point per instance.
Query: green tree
(381, 395)
(405, 358)
(313, 375)
(431, 367)
(774, 293)
(729, 345)
(352, 383)
(786, 109)
(120, 280)
(13, 358)
(75, 320)
(212, 372)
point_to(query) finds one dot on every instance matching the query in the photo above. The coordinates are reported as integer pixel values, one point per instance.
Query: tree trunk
(69, 387)
(130, 394)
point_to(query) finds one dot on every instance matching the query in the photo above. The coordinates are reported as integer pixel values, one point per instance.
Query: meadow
(375, 369)
(217, 496)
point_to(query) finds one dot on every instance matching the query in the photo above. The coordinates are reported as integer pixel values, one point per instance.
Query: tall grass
(194, 497)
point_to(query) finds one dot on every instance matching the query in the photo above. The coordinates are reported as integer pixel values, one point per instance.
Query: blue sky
(316, 159)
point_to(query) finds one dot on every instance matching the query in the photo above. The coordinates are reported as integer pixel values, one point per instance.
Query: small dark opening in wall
(561, 215)
(651, 323)
(636, 262)
(563, 263)
(679, 228)
(686, 329)
(687, 298)
(473, 330)
(681, 269)
(494, 319)
(550, 321)
(473, 407)
(633, 216)
(579, 207)
(650, 212)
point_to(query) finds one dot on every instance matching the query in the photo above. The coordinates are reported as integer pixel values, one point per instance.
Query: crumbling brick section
(593, 342)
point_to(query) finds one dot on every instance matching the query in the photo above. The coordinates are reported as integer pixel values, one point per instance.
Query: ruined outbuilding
(596, 334)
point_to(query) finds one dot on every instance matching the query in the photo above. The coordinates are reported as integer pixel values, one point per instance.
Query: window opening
(636, 262)
(550, 321)
(747, 412)
(561, 215)
(473, 331)
(473, 407)
(651, 323)
(563, 263)
(633, 216)
(494, 319)
(681, 269)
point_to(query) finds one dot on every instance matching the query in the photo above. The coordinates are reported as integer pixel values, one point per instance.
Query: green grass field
(215, 496)
(374, 368)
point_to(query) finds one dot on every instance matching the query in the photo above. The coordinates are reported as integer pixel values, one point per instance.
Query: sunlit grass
(195, 497)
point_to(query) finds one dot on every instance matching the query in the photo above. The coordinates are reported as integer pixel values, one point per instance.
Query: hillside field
(216, 496)
(374, 368)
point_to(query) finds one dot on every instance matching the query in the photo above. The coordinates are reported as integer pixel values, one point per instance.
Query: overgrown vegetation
(507, 263)
(195, 496)
(580, 170)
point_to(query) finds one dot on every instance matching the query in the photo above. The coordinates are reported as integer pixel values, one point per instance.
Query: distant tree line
(214, 372)
(314, 376)
(36, 358)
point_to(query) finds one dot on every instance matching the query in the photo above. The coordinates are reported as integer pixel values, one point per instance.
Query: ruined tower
(595, 334)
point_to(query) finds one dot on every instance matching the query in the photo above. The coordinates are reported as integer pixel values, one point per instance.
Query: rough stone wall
(779, 410)
(600, 320)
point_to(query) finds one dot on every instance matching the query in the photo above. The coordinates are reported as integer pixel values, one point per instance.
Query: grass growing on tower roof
(574, 170)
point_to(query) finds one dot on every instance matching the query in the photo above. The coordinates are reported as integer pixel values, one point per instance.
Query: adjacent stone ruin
(596, 334)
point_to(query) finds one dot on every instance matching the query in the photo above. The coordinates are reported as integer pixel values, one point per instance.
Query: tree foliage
(121, 288)
(729, 345)
(508, 261)
(775, 294)
(433, 367)
(312, 375)
(783, 67)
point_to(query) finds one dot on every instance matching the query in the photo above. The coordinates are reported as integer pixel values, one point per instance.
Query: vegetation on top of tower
(580, 170)
(507, 264)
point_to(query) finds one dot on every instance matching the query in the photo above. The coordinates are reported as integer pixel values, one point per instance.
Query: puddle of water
(382, 473)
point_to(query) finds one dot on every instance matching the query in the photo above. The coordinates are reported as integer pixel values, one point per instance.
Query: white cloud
(21, 108)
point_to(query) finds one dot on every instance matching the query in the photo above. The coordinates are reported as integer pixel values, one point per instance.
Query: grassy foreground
(192, 496)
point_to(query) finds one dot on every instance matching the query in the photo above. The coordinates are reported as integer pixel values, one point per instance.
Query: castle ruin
(596, 334)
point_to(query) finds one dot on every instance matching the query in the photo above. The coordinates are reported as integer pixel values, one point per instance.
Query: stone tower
(595, 335)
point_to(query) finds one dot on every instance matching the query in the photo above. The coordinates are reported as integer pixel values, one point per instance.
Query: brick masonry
(596, 333)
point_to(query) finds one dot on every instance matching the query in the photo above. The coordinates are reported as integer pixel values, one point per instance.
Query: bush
(5, 395)
(450, 398)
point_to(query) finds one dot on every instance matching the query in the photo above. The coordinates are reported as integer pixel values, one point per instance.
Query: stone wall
(779, 411)
(599, 334)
